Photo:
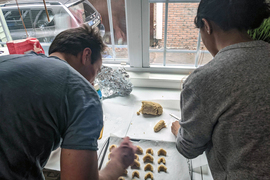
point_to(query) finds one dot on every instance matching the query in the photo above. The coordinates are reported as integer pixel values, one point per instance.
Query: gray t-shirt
(226, 112)
(43, 101)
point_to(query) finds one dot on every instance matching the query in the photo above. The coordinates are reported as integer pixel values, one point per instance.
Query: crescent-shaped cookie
(136, 157)
(161, 124)
(139, 150)
(148, 158)
(136, 165)
(112, 147)
(162, 152)
(161, 160)
(136, 174)
(162, 168)
(149, 175)
(149, 151)
(148, 167)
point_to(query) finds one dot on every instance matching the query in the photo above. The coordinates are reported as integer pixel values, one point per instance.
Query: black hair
(74, 41)
(233, 14)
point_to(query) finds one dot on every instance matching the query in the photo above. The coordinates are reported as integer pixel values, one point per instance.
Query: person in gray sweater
(225, 104)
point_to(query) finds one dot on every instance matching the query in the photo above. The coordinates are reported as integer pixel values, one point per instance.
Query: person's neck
(59, 55)
(227, 38)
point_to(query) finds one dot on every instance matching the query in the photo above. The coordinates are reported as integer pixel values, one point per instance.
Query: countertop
(121, 120)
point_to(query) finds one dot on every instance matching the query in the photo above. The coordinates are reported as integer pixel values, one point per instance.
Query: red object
(24, 46)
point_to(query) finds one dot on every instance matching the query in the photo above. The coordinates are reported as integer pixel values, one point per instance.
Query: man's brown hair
(73, 41)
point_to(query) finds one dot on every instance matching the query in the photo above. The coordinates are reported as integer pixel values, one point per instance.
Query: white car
(62, 16)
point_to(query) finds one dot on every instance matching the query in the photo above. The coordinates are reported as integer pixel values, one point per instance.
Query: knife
(174, 116)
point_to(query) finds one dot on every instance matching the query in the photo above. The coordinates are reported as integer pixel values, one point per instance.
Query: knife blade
(174, 116)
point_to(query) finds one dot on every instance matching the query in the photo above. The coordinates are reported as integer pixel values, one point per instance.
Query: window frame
(139, 41)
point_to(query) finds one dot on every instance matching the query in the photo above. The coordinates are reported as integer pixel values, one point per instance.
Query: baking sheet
(113, 122)
(142, 126)
(177, 167)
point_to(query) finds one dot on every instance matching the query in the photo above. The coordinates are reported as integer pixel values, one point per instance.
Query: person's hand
(124, 153)
(175, 127)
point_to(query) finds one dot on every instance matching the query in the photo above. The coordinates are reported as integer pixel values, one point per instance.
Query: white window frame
(138, 28)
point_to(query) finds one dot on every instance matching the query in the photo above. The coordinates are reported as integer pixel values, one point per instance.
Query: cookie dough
(162, 152)
(149, 175)
(136, 174)
(149, 151)
(136, 157)
(121, 178)
(112, 147)
(148, 167)
(139, 150)
(148, 158)
(136, 165)
(161, 124)
(151, 108)
(162, 168)
(161, 160)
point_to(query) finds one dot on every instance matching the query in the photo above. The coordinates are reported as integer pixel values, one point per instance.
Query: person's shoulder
(202, 74)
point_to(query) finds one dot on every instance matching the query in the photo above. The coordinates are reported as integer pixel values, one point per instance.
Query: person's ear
(86, 55)
(207, 26)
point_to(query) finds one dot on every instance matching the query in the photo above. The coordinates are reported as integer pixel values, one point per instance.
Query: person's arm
(83, 164)
(196, 128)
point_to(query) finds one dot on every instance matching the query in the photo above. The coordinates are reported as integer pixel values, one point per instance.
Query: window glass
(204, 56)
(42, 20)
(181, 35)
(14, 21)
(117, 49)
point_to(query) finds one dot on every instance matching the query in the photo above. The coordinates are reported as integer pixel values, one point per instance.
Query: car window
(88, 10)
(14, 21)
(43, 20)
(82, 12)
(34, 14)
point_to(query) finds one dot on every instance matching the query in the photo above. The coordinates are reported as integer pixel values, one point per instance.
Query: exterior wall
(181, 31)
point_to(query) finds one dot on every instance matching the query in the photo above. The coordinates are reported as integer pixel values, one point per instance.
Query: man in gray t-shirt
(49, 101)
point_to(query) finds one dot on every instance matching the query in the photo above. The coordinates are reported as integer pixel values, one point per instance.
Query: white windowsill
(156, 77)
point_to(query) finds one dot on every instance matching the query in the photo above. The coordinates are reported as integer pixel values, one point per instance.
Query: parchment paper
(142, 126)
(177, 167)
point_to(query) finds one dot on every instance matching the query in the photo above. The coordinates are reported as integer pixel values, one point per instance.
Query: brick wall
(181, 31)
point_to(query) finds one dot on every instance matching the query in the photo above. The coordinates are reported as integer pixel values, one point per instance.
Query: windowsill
(157, 80)
(156, 77)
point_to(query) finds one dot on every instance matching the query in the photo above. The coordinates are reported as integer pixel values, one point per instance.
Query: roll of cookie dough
(151, 108)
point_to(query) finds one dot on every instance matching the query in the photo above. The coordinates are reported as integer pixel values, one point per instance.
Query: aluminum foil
(113, 82)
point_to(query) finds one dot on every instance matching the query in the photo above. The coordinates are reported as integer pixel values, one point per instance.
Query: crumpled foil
(113, 82)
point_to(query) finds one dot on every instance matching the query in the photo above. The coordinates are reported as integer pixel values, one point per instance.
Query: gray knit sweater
(225, 108)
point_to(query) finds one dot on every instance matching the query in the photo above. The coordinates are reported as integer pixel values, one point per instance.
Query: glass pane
(13, 19)
(173, 58)
(182, 35)
(204, 58)
(108, 53)
(157, 25)
(119, 25)
(121, 52)
(156, 58)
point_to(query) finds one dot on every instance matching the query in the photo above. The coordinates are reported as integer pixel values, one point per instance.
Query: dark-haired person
(225, 104)
(49, 101)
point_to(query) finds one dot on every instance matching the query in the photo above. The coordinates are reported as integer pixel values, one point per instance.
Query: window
(147, 35)
(14, 21)
(168, 40)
